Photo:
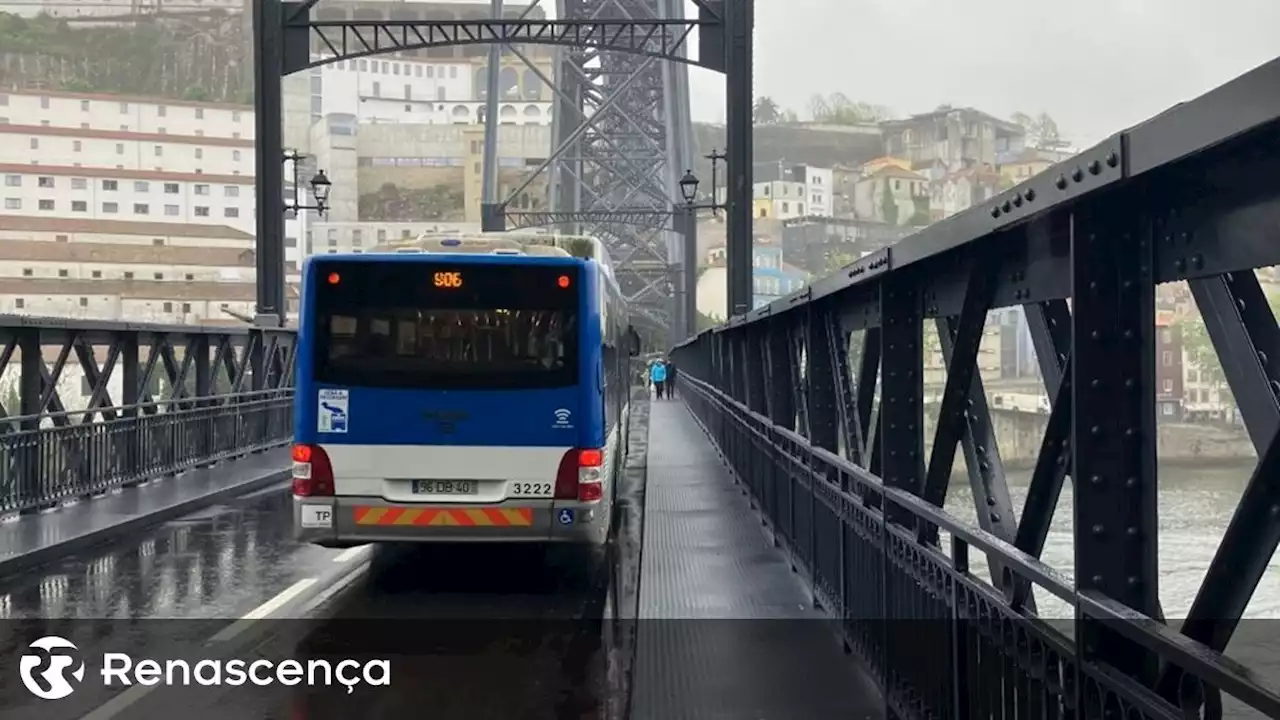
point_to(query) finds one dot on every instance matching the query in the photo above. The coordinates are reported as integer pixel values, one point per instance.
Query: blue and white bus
(464, 389)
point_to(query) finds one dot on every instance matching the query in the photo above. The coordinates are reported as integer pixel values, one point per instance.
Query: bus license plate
(446, 487)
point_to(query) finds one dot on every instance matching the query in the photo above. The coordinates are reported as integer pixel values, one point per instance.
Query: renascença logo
(47, 664)
(45, 670)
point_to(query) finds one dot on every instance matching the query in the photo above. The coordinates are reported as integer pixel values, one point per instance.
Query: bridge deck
(36, 538)
(726, 629)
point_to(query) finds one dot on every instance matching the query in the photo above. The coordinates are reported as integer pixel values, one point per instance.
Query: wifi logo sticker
(562, 417)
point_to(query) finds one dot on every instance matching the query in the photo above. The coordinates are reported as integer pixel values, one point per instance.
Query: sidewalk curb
(45, 555)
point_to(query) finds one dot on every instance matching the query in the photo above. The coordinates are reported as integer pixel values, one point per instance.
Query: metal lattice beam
(624, 121)
(345, 39)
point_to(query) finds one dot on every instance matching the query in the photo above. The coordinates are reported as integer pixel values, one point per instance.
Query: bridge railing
(89, 406)
(827, 435)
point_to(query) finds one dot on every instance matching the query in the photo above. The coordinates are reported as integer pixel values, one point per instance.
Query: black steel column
(268, 69)
(689, 259)
(739, 22)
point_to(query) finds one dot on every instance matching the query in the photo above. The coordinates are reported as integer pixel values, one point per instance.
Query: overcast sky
(1096, 66)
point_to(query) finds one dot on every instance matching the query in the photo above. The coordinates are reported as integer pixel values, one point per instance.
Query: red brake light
(312, 472)
(563, 281)
(334, 278)
(579, 476)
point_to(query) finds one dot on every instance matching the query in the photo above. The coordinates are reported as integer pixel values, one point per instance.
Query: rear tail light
(580, 475)
(312, 472)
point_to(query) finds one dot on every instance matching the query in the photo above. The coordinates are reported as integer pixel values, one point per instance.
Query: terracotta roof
(896, 172)
(111, 253)
(141, 99)
(103, 172)
(131, 289)
(120, 227)
(77, 132)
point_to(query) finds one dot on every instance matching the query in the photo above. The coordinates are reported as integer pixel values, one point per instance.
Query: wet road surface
(176, 584)
(467, 631)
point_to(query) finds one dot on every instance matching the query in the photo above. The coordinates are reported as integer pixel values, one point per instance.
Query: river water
(1196, 504)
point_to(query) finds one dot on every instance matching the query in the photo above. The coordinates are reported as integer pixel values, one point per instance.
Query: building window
(171, 210)
(141, 209)
(189, 276)
(46, 204)
(119, 148)
(84, 106)
(186, 307)
(1166, 358)
(79, 183)
(28, 272)
(1166, 336)
(124, 108)
(76, 146)
(35, 143)
(13, 203)
(13, 181)
(84, 302)
(202, 211)
(199, 113)
(79, 206)
(159, 150)
(158, 242)
(161, 111)
(199, 153)
(110, 185)
(377, 90)
(231, 212)
(231, 191)
(171, 188)
(158, 276)
(357, 238)
(44, 181)
(96, 274)
(128, 275)
(110, 207)
(141, 186)
(62, 272)
(202, 189)
(19, 303)
(235, 116)
(235, 155)
(168, 307)
(1168, 385)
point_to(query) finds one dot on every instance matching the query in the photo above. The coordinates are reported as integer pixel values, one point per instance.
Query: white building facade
(377, 90)
(106, 157)
(818, 184)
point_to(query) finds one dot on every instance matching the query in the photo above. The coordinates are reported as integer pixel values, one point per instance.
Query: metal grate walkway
(726, 630)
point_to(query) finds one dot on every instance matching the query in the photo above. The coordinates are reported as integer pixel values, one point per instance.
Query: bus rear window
(428, 325)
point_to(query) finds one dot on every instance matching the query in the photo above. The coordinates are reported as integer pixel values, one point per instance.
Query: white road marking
(121, 702)
(346, 555)
(279, 601)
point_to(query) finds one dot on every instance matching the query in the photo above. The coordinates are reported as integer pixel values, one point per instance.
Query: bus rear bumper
(348, 521)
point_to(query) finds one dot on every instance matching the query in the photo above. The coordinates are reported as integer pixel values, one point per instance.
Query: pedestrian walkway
(726, 629)
(29, 540)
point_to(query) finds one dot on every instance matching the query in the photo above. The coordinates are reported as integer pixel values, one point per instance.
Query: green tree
(1042, 131)
(195, 94)
(766, 111)
(391, 203)
(838, 109)
(889, 206)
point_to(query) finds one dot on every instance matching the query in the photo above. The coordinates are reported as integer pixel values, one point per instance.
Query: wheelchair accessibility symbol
(566, 517)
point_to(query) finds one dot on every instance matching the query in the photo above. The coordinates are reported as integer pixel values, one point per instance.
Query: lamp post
(687, 216)
(320, 187)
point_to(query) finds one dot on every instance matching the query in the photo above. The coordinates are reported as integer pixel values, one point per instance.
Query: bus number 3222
(531, 489)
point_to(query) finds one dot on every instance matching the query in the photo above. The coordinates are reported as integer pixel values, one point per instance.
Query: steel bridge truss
(621, 127)
(182, 396)
(816, 402)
